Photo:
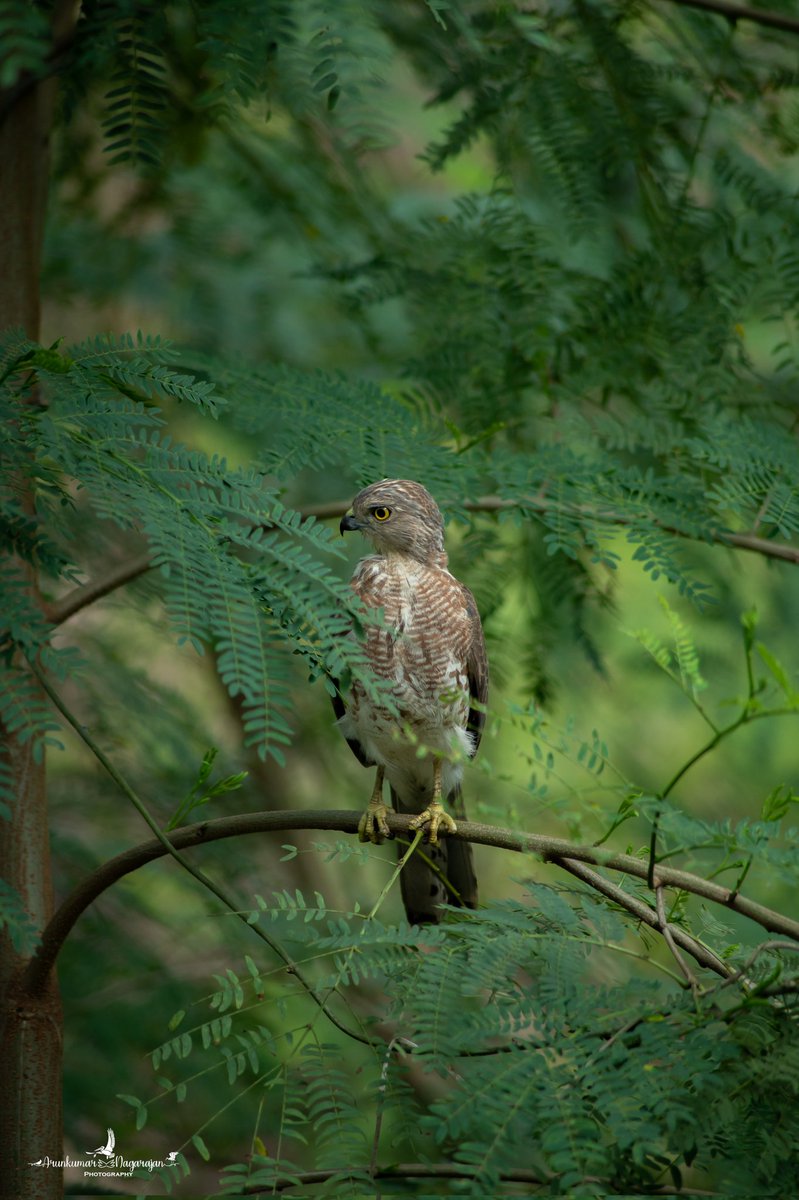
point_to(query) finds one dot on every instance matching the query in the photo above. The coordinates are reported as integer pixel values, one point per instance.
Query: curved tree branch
(166, 846)
(554, 850)
(84, 595)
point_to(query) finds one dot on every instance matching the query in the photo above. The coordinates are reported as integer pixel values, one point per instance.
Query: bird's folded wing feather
(477, 671)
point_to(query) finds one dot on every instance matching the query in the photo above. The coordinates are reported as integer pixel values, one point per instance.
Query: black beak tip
(347, 524)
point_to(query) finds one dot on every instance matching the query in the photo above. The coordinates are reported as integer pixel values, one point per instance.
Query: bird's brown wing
(340, 708)
(362, 584)
(477, 671)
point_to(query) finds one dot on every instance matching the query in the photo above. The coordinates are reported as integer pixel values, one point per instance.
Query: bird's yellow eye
(381, 513)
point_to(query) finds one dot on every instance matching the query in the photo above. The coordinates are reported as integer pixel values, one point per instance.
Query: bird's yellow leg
(434, 817)
(373, 826)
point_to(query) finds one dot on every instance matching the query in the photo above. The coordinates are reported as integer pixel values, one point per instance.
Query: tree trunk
(30, 1025)
(31, 1040)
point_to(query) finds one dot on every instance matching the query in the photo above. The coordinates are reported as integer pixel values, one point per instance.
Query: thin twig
(743, 12)
(627, 1027)
(84, 595)
(746, 714)
(788, 988)
(643, 912)
(381, 1102)
(742, 541)
(758, 950)
(668, 934)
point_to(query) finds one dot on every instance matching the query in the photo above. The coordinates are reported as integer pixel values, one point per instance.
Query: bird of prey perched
(429, 647)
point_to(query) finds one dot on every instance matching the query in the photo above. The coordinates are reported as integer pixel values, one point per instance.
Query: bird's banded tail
(424, 889)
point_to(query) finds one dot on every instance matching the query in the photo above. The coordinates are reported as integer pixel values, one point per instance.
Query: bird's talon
(373, 826)
(434, 818)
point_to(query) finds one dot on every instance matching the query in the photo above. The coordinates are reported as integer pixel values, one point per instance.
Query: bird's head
(399, 516)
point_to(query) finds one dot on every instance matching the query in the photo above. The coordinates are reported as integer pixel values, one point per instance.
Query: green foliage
(138, 97)
(24, 40)
(610, 1086)
(238, 572)
(202, 790)
(550, 1022)
(680, 661)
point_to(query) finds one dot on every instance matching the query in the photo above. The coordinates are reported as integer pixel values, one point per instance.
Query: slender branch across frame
(444, 1171)
(121, 573)
(744, 12)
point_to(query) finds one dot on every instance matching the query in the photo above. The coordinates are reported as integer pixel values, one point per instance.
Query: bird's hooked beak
(348, 523)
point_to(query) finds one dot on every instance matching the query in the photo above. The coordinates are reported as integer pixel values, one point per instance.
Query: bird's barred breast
(424, 648)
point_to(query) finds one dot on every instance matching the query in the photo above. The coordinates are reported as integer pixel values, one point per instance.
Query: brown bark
(31, 1046)
(23, 184)
(30, 1024)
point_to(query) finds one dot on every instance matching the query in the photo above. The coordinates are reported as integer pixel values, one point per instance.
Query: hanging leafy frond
(240, 573)
(25, 41)
(138, 96)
